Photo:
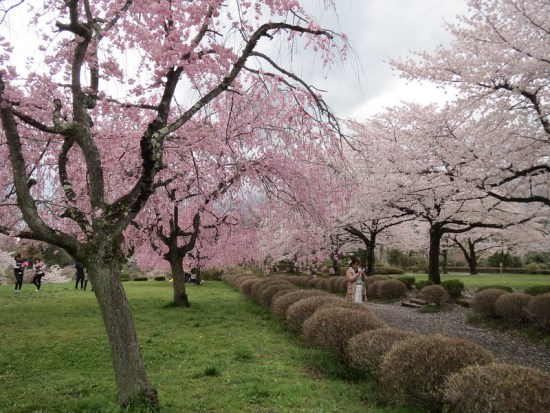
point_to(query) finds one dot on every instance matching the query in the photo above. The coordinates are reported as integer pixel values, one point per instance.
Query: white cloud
(380, 30)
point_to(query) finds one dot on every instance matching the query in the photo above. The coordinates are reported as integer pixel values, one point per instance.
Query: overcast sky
(379, 30)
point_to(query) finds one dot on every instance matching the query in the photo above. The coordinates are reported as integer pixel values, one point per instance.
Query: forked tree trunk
(133, 385)
(180, 295)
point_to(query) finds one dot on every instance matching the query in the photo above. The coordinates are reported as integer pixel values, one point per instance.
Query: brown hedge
(266, 295)
(331, 327)
(246, 286)
(279, 305)
(366, 350)
(301, 310)
(261, 285)
(538, 311)
(498, 388)
(414, 371)
(372, 288)
(373, 278)
(484, 301)
(435, 294)
(512, 306)
(391, 289)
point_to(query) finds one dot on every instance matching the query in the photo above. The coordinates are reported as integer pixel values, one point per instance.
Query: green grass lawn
(519, 282)
(223, 354)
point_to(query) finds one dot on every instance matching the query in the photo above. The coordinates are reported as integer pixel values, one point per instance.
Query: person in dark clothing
(80, 276)
(19, 265)
(86, 281)
(38, 273)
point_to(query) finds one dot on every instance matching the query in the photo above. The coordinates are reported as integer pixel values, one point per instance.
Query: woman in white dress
(356, 291)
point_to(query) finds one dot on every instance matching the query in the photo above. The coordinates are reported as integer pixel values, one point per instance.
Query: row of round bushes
(513, 307)
(380, 286)
(426, 371)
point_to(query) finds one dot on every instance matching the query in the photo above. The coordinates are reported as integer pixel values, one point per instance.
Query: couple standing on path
(19, 267)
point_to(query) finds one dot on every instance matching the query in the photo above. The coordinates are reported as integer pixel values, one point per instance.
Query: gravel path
(452, 323)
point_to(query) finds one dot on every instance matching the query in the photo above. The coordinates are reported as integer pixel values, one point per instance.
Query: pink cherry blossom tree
(367, 215)
(427, 163)
(499, 61)
(86, 132)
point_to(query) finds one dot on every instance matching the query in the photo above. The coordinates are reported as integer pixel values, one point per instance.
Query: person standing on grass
(86, 281)
(19, 265)
(356, 291)
(80, 276)
(38, 273)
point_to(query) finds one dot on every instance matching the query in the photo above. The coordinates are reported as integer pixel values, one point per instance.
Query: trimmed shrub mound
(512, 306)
(280, 304)
(388, 270)
(454, 288)
(538, 311)
(261, 285)
(246, 286)
(160, 278)
(314, 282)
(414, 371)
(236, 279)
(422, 283)
(239, 279)
(331, 327)
(372, 289)
(301, 280)
(498, 287)
(484, 301)
(301, 310)
(366, 350)
(498, 388)
(391, 289)
(212, 273)
(282, 292)
(435, 294)
(323, 284)
(407, 280)
(336, 284)
(141, 279)
(373, 278)
(538, 289)
(266, 295)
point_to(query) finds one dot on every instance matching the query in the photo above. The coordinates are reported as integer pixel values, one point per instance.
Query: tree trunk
(133, 386)
(471, 258)
(433, 257)
(445, 254)
(198, 272)
(371, 258)
(178, 282)
(335, 263)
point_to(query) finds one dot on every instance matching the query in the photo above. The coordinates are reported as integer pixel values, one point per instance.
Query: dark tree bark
(335, 263)
(370, 258)
(445, 256)
(133, 385)
(470, 253)
(368, 231)
(178, 281)
(433, 257)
